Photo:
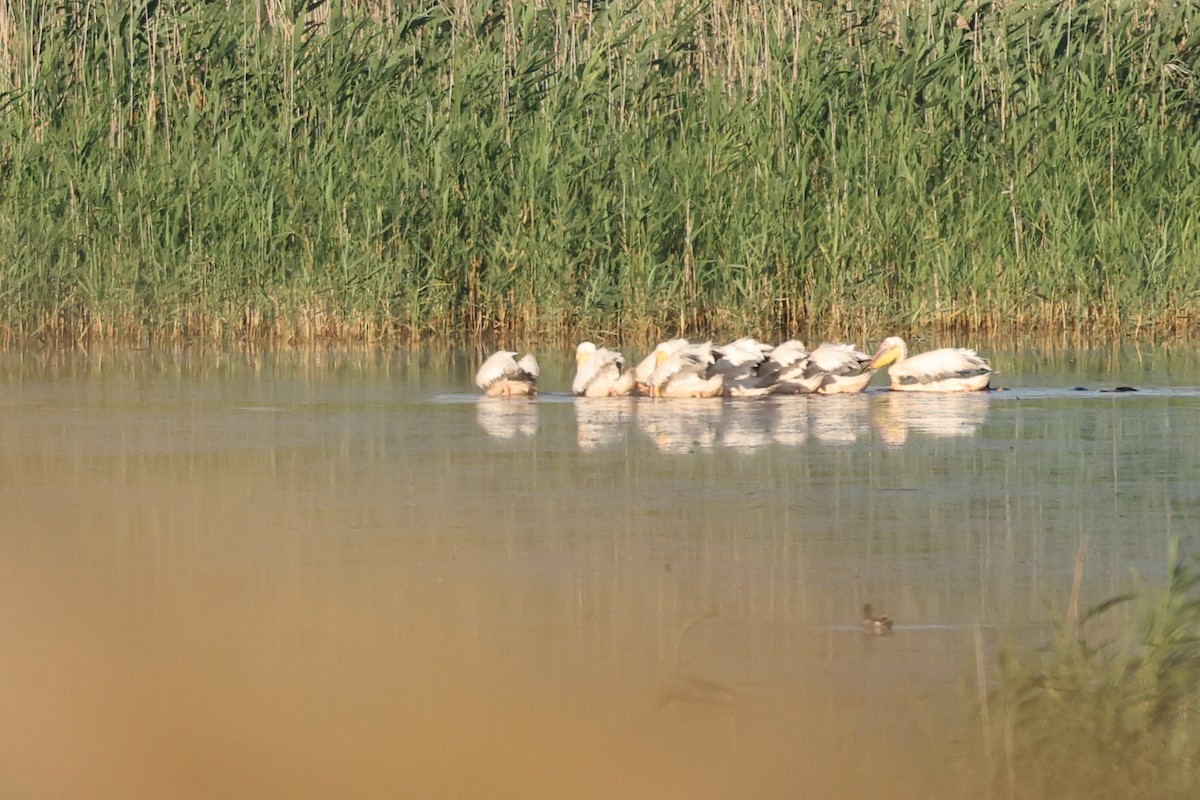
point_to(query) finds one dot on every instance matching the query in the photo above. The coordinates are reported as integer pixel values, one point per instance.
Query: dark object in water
(1080, 389)
(1120, 389)
(875, 624)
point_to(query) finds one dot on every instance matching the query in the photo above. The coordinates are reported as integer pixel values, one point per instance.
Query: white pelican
(645, 367)
(739, 362)
(951, 369)
(830, 369)
(841, 368)
(785, 366)
(503, 376)
(686, 372)
(601, 373)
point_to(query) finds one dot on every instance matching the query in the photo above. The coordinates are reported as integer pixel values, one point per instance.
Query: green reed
(370, 170)
(1109, 708)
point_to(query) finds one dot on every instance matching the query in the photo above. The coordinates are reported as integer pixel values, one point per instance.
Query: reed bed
(1109, 708)
(375, 171)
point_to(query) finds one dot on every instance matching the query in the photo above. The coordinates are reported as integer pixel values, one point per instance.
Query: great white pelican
(830, 369)
(502, 375)
(645, 368)
(600, 372)
(951, 369)
(740, 361)
(840, 369)
(686, 372)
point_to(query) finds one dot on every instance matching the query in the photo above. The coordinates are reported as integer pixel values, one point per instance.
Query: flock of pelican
(743, 368)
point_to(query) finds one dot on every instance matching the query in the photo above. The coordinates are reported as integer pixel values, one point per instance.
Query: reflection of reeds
(361, 170)
(1110, 708)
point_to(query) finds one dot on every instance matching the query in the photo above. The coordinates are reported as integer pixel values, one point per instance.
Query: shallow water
(342, 574)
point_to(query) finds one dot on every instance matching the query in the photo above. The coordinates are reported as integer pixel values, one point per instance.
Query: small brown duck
(875, 624)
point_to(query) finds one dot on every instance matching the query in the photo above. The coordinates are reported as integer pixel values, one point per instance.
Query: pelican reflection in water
(791, 421)
(839, 419)
(941, 415)
(682, 426)
(602, 421)
(747, 426)
(507, 419)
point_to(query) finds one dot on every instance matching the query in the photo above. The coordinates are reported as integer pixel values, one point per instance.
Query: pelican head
(660, 355)
(891, 350)
(584, 351)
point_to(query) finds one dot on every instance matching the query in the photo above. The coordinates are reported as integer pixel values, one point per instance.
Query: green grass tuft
(1112, 707)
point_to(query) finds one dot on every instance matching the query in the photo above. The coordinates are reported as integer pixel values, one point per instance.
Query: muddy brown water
(332, 574)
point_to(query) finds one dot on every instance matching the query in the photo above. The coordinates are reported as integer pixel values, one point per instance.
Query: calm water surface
(332, 574)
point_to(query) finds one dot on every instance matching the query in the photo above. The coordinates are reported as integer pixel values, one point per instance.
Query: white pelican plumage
(600, 372)
(951, 369)
(502, 375)
(739, 359)
(785, 366)
(830, 369)
(645, 368)
(842, 368)
(686, 372)
(739, 362)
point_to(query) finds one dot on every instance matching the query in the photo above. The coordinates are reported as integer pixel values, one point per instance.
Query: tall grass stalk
(370, 170)
(1109, 708)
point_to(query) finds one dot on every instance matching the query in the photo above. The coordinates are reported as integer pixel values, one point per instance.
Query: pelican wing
(646, 366)
(784, 357)
(739, 359)
(500, 364)
(529, 366)
(838, 359)
(603, 364)
(939, 365)
(691, 360)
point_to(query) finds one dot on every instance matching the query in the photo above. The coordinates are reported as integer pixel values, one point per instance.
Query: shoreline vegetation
(1108, 707)
(377, 171)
